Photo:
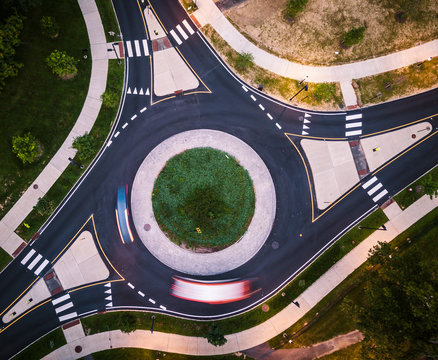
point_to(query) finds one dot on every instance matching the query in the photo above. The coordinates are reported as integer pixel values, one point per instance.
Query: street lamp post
(152, 326)
(305, 87)
(383, 228)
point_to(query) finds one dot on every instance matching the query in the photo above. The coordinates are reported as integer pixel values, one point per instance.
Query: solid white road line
(188, 27)
(182, 32)
(353, 125)
(124, 125)
(145, 47)
(61, 299)
(141, 294)
(175, 36)
(34, 262)
(143, 110)
(41, 267)
(129, 48)
(253, 98)
(137, 48)
(355, 132)
(380, 195)
(117, 134)
(68, 316)
(133, 117)
(28, 256)
(374, 189)
(269, 116)
(152, 301)
(131, 286)
(369, 182)
(352, 117)
(64, 307)
(261, 107)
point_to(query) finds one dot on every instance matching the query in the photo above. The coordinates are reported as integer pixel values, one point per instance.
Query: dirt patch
(314, 37)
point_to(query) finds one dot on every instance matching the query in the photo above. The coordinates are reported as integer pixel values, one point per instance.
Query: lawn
(44, 346)
(36, 100)
(109, 20)
(204, 199)
(5, 259)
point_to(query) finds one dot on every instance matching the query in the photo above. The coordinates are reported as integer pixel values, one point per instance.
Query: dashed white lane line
(261, 107)
(353, 117)
(64, 307)
(61, 299)
(163, 307)
(143, 110)
(152, 301)
(27, 257)
(109, 143)
(380, 195)
(369, 182)
(145, 47)
(353, 125)
(131, 286)
(278, 125)
(374, 189)
(124, 125)
(41, 267)
(352, 133)
(188, 27)
(253, 98)
(68, 316)
(244, 88)
(176, 37)
(137, 48)
(182, 32)
(141, 294)
(117, 134)
(132, 118)
(34, 262)
(129, 48)
(269, 116)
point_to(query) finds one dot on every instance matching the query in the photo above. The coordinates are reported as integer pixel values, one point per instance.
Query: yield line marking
(175, 36)
(182, 32)
(188, 27)
(27, 257)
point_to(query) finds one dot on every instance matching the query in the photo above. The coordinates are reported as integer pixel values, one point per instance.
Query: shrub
(44, 206)
(110, 99)
(128, 322)
(430, 186)
(244, 61)
(49, 26)
(25, 147)
(294, 7)
(62, 64)
(353, 37)
(215, 336)
(85, 145)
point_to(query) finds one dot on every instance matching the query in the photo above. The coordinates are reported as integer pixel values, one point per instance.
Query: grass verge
(5, 259)
(43, 346)
(398, 83)
(69, 177)
(163, 323)
(109, 20)
(36, 100)
(326, 96)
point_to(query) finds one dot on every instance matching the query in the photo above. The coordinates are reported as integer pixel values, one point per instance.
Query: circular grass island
(203, 200)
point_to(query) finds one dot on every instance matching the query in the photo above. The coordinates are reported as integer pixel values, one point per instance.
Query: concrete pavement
(398, 222)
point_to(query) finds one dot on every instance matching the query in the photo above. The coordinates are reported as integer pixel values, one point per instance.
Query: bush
(85, 145)
(430, 186)
(353, 37)
(244, 61)
(215, 336)
(49, 27)
(25, 147)
(44, 206)
(294, 7)
(110, 99)
(128, 322)
(61, 64)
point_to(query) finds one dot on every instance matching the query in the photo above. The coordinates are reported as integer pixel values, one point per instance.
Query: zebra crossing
(182, 32)
(36, 259)
(132, 46)
(62, 304)
(376, 192)
(353, 128)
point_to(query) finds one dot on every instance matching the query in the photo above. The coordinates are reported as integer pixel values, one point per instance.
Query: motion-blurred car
(122, 213)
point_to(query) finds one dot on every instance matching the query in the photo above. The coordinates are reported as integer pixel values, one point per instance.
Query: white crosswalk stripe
(61, 299)
(182, 32)
(176, 37)
(137, 48)
(129, 48)
(352, 133)
(145, 47)
(376, 186)
(353, 125)
(34, 262)
(68, 316)
(27, 257)
(64, 307)
(353, 117)
(369, 182)
(380, 195)
(41, 267)
(188, 27)
(374, 189)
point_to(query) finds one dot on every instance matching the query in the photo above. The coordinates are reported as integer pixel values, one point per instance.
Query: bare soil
(314, 36)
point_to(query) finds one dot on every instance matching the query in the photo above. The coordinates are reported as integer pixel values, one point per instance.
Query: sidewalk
(9, 240)
(398, 222)
(208, 13)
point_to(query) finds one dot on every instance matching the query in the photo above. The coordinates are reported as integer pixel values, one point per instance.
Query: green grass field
(203, 189)
(44, 346)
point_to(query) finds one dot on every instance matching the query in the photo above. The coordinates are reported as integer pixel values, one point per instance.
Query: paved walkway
(9, 240)
(398, 222)
(208, 13)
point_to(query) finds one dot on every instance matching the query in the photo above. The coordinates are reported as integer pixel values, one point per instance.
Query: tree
(85, 145)
(399, 317)
(9, 40)
(244, 61)
(61, 64)
(49, 27)
(110, 99)
(215, 336)
(293, 8)
(25, 147)
(353, 37)
(430, 186)
(128, 322)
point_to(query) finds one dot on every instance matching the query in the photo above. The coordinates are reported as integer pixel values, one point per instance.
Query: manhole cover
(414, 136)
(275, 245)
(35, 186)
(265, 308)
(147, 227)
(78, 349)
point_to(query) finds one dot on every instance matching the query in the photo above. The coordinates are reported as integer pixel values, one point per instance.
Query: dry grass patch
(323, 96)
(398, 83)
(315, 34)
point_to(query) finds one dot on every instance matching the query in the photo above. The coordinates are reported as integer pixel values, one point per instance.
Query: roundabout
(205, 261)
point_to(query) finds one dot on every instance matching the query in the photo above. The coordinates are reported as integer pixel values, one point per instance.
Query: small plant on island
(293, 8)
(110, 99)
(244, 61)
(62, 64)
(85, 145)
(215, 336)
(128, 322)
(26, 147)
(352, 37)
(49, 27)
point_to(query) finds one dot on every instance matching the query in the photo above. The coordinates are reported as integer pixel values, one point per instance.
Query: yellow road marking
(314, 137)
(157, 17)
(144, 21)
(13, 302)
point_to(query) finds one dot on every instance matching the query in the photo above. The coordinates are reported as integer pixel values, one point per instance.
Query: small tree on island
(110, 99)
(25, 147)
(353, 37)
(215, 336)
(85, 145)
(128, 322)
(49, 27)
(430, 186)
(62, 65)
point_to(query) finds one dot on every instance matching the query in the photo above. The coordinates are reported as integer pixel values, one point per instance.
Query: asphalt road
(231, 109)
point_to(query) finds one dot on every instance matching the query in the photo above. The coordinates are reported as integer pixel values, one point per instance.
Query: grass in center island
(38, 102)
(169, 324)
(203, 199)
(43, 346)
